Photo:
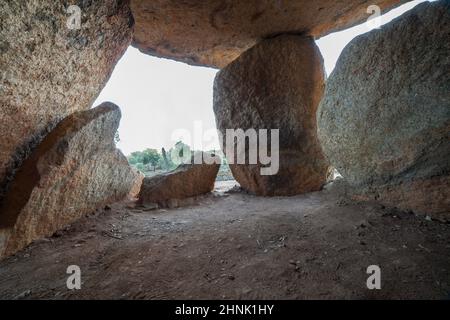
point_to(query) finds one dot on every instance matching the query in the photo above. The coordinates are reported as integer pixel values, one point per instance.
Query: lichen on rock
(385, 119)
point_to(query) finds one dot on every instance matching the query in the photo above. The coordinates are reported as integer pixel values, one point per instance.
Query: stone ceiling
(215, 32)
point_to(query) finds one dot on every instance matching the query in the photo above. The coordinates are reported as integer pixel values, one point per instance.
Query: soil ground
(237, 246)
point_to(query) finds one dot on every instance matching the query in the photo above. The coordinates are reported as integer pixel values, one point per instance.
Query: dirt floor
(237, 246)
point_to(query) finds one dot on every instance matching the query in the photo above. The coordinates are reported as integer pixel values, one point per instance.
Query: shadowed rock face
(277, 84)
(215, 32)
(75, 170)
(385, 119)
(188, 180)
(49, 71)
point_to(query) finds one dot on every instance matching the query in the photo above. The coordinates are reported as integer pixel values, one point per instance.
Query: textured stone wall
(49, 71)
(385, 119)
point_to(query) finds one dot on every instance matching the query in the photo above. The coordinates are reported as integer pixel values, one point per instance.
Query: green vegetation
(224, 173)
(146, 157)
(152, 161)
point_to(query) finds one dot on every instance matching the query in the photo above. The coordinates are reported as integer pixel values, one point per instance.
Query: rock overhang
(213, 33)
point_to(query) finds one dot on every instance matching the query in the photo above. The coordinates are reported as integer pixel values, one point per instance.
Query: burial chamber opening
(76, 188)
(182, 110)
(167, 104)
(166, 111)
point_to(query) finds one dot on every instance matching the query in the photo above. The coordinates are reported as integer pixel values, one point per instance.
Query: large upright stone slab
(75, 170)
(49, 70)
(215, 32)
(277, 84)
(385, 119)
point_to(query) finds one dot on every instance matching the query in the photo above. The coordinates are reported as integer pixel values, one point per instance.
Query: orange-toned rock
(277, 84)
(136, 188)
(215, 32)
(75, 170)
(49, 71)
(188, 180)
(429, 196)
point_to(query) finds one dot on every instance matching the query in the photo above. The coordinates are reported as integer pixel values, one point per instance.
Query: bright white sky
(159, 96)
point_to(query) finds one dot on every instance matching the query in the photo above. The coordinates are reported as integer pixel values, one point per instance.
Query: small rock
(150, 206)
(23, 294)
(58, 234)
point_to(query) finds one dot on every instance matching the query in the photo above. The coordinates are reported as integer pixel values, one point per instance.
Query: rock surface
(277, 84)
(385, 119)
(49, 71)
(136, 188)
(75, 170)
(188, 180)
(215, 32)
